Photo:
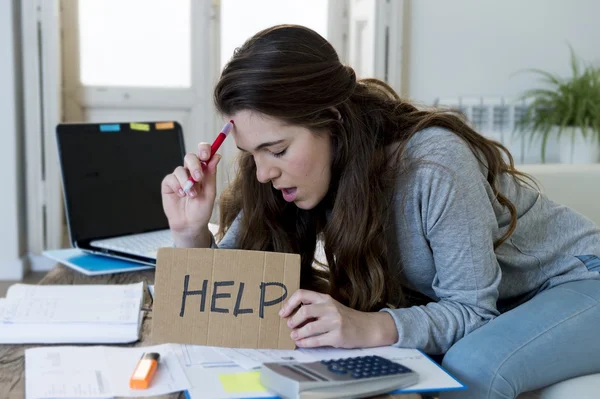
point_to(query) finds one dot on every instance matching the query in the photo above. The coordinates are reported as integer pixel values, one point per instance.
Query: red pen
(213, 148)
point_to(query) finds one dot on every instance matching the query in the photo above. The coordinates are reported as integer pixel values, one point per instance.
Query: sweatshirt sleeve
(451, 195)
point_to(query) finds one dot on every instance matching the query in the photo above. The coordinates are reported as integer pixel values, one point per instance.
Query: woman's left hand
(323, 321)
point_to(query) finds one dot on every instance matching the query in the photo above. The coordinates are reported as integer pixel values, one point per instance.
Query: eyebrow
(263, 145)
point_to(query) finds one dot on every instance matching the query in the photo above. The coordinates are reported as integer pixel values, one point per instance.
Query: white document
(254, 358)
(71, 314)
(97, 372)
(151, 291)
(205, 382)
(64, 311)
(114, 292)
(205, 356)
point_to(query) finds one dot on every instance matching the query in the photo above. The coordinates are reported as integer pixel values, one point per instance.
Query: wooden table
(12, 359)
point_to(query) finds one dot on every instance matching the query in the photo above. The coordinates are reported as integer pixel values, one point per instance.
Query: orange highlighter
(144, 371)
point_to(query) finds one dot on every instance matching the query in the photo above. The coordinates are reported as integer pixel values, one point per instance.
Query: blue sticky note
(110, 128)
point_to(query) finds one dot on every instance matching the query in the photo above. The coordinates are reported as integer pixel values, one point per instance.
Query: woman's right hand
(189, 214)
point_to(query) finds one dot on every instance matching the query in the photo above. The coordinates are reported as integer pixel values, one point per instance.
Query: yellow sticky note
(242, 382)
(140, 126)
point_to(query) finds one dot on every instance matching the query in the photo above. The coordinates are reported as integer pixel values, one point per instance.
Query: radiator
(497, 118)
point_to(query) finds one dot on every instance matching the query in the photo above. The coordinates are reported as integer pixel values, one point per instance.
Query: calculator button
(336, 369)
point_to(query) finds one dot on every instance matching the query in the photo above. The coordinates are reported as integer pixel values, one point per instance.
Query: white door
(375, 40)
(40, 31)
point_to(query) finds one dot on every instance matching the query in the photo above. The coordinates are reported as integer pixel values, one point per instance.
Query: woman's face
(294, 160)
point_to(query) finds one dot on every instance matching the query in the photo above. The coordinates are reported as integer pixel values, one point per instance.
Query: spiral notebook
(50, 314)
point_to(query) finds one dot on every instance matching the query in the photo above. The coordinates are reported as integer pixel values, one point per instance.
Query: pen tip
(232, 122)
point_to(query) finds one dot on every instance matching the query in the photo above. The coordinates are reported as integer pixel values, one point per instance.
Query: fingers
(197, 163)
(324, 327)
(174, 183)
(204, 151)
(182, 175)
(317, 341)
(192, 163)
(307, 315)
(300, 297)
(170, 185)
(210, 176)
(201, 172)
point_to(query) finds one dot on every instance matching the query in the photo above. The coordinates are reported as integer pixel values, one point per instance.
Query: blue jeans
(552, 337)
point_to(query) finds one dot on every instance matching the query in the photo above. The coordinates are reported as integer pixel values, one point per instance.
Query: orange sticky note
(164, 125)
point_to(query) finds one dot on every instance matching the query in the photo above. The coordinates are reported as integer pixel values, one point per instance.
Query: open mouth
(289, 194)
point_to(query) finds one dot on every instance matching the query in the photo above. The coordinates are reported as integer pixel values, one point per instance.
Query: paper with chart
(200, 366)
(211, 382)
(205, 356)
(114, 292)
(61, 310)
(254, 358)
(71, 313)
(97, 372)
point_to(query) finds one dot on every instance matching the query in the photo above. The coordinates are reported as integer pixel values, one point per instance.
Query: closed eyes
(279, 154)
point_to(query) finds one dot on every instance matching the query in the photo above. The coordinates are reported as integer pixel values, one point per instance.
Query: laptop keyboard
(144, 244)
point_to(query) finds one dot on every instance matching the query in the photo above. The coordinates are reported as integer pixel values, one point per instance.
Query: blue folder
(93, 265)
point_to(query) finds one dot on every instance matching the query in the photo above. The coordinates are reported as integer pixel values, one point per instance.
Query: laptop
(111, 175)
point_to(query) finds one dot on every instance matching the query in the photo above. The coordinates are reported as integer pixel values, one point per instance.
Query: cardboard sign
(223, 297)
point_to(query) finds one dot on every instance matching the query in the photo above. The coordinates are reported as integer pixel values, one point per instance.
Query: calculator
(353, 377)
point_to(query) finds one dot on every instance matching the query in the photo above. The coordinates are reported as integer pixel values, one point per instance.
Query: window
(135, 43)
(240, 19)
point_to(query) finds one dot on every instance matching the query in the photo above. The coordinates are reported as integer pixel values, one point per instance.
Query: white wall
(11, 209)
(472, 47)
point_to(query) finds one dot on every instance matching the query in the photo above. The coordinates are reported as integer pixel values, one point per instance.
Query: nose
(265, 172)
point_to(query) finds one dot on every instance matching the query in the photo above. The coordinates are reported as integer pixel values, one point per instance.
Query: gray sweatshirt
(442, 243)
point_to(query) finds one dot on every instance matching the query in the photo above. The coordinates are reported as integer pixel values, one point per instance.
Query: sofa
(576, 186)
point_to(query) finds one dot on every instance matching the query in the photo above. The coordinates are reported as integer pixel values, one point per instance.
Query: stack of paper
(71, 314)
(202, 371)
(97, 372)
(228, 373)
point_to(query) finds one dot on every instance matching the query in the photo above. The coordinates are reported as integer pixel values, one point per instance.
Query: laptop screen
(112, 174)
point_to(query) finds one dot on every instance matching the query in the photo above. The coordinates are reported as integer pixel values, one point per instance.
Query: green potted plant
(567, 109)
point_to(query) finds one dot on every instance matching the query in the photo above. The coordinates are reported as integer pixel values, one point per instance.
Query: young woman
(409, 205)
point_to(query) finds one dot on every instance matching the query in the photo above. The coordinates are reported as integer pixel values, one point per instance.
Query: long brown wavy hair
(293, 74)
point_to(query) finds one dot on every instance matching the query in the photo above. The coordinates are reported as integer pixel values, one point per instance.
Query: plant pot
(531, 150)
(575, 148)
